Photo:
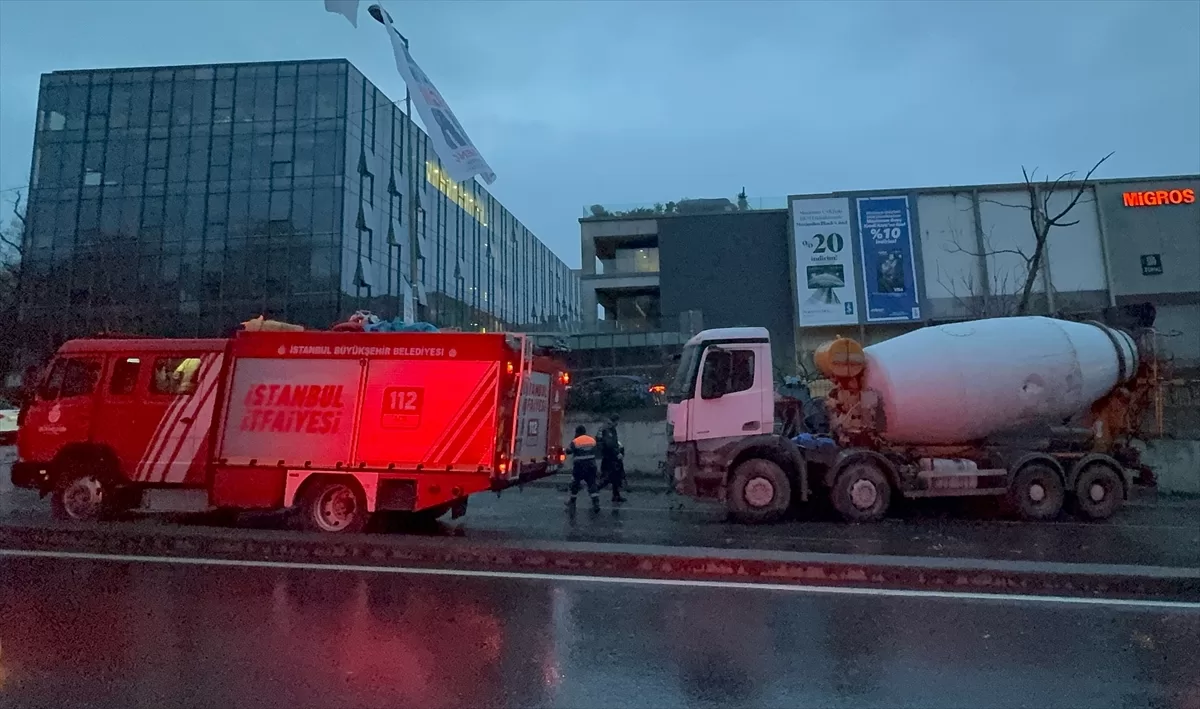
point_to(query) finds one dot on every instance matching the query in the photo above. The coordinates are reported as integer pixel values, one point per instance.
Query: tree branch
(1079, 192)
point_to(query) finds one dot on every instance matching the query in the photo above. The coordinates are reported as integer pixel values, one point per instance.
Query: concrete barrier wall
(1176, 462)
(645, 441)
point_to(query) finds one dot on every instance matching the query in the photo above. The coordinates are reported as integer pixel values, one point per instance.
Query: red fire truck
(335, 426)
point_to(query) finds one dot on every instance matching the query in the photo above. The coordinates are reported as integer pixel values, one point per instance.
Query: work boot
(571, 502)
(618, 498)
(595, 503)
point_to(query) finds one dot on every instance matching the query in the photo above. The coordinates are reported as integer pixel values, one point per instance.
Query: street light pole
(410, 209)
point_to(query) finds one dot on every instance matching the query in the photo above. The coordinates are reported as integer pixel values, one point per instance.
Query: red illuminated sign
(1159, 198)
(293, 408)
(402, 407)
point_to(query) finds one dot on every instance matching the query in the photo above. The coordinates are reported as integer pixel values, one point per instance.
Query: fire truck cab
(335, 426)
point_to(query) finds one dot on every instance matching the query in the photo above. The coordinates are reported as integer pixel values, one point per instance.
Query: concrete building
(182, 200)
(874, 264)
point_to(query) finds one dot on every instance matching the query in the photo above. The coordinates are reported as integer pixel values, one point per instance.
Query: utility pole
(410, 209)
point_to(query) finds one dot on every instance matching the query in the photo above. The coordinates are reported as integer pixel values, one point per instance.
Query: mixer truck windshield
(684, 384)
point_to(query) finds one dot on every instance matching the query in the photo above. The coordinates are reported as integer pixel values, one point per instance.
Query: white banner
(824, 262)
(460, 159)
(346, 8)
(410, 294)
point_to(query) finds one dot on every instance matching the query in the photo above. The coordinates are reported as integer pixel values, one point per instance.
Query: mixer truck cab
(723, 439)
(964, 409)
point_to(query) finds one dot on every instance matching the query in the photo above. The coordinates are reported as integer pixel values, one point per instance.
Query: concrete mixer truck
(1033, 409)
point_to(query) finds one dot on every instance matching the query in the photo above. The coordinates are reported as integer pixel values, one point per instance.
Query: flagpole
(410, 209)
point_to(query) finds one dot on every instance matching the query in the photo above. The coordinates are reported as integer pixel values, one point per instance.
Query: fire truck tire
(1098, 492)
(1036, 492)
(336, 506)
(81, 495)
(861, 492)
(759, 492)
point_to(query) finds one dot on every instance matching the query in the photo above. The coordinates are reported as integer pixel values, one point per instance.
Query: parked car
(9, 412)
(611, 393)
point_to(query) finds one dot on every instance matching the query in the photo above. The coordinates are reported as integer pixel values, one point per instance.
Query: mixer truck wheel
(1036, 492)
(861, 492)
(759, 492)
(1099, 491)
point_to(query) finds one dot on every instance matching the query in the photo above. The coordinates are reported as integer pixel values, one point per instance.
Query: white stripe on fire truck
(181, 454)
(451, 425)
(177, 433)
(477, 398)
(189, 445)
(153, 448)
(453, 452)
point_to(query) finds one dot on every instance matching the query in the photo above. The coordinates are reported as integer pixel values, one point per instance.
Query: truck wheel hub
(1096, 492)
(759, 492)
(863, 494)
(337, 508)
(1037, 493)
(82, 497)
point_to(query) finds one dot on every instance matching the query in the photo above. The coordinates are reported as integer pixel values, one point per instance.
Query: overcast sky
(575, 102)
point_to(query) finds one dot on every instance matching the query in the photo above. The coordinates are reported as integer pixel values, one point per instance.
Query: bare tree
(992, 302)
(976, 298)
(12, 237)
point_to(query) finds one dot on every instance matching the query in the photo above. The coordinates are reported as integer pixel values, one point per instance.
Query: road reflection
(82, 633)
(131, 636)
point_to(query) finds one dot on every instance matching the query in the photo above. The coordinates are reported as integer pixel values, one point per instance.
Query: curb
(617, 560)
(634, 482)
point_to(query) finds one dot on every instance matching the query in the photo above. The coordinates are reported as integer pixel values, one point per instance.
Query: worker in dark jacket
(612, 454)
(583, 459)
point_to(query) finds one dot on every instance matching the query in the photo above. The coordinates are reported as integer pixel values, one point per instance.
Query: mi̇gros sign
(1159, 198)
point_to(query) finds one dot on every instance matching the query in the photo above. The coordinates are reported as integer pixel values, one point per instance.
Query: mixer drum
(966, 381)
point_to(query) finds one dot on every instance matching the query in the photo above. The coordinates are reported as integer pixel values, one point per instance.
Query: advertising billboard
(825, 287)
(889, 266)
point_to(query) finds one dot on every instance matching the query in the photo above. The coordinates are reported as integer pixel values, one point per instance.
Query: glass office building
(181, 201)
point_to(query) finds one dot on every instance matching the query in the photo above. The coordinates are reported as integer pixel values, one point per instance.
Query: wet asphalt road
(105, 634)
(1166, 534)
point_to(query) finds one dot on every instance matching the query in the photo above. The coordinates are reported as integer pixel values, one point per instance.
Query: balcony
(623, 261)
(628, 310)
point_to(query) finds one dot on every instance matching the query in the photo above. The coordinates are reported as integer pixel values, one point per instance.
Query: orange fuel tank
(840, 358)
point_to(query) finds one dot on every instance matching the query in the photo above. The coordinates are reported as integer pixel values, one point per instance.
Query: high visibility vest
(583, 448)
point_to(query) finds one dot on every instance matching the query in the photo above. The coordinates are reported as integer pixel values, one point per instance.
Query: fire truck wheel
(1099, 491)
(80, 496)
(1036, 492)
(337, 506)
(759, 491)
(861, 492)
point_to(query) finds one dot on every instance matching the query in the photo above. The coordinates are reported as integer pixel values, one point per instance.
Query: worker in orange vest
(583, 460)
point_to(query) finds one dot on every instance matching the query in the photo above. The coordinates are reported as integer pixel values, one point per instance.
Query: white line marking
(626, 580)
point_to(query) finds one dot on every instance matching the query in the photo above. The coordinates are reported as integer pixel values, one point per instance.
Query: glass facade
(181, 201)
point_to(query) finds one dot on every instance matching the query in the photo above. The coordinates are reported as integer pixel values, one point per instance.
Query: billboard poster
(824, 262)
(889, 271)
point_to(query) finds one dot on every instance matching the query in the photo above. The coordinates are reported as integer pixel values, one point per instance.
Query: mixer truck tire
(1098, 492)
(861, 492)
(1036, 492)
(759, 492)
